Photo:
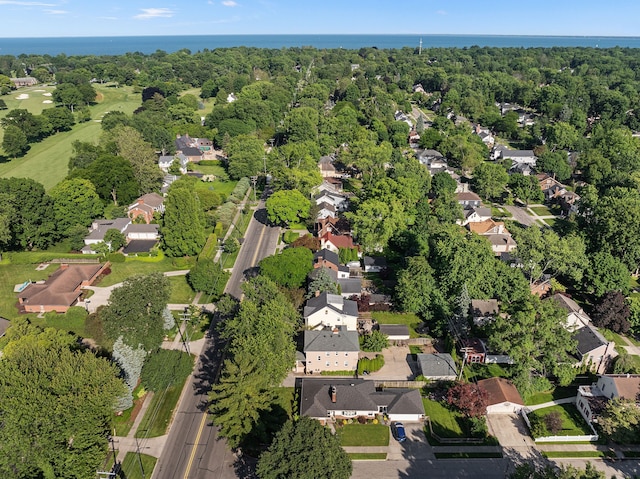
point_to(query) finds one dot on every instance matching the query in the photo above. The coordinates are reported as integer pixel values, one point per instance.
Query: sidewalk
(570, 400)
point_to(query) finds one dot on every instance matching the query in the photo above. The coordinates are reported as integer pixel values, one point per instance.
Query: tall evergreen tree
(183, 231)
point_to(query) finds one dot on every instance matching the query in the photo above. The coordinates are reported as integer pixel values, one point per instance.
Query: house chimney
(317, 293)
(334, 394)
(335, 330)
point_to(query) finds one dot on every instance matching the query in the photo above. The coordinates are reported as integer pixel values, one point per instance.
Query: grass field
(541, 210)
(122, 271)
(137, 466)
(46, 161)
(364, 435)
(551, 395)
(445, 422)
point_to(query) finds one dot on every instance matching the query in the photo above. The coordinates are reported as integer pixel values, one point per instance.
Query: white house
(165, 162)
(142, 232)
(329, 311)
(591, 400)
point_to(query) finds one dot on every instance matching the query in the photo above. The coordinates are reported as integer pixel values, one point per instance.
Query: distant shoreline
(118, 45)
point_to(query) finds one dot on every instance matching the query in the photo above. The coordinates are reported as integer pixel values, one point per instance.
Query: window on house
(327, 354)
(327, 363)
(382, 409)
(318, 357)
(346, 354)
(346, 363)
(337, 353)
(336, 363)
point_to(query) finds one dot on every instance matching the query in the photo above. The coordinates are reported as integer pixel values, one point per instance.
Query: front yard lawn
(135, 267)
(138, 467)
(410, 319)
(541, 210)
(573, 424)
(181, 292)
(475, 372)
(363, 435)
(445, 422)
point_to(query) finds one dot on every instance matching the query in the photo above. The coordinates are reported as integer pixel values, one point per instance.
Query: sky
(62, 18)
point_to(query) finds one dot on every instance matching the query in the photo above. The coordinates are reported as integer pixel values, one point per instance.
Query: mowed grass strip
(367, 456)
(138, 466)
(364, 435)
(47, 161)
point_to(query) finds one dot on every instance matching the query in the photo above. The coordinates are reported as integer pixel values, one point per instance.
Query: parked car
(398, 431)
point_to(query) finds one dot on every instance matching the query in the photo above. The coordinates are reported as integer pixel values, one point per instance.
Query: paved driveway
(396, 364)
(415, 447)
(513, 435)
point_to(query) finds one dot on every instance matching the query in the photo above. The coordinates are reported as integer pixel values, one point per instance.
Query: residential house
(329, 259)
(333, 349)
(501, 152)
(484, 311)
(521, 168)
(437, 367)
(165, 162)
(143, 236)
(473, 350)
(417, 88)
(330, 310)
(26, 81)
(485, 135)
(569, 202)
(61, 290)
(374, 264)
(503, 397)
(231, 97)
(576, 317)
(327, 168)
(593, 349)
(330, 224)
(327, 210)
(551, 188)
(592, 400)
(98, 230)
(329, 399)
(146, 206)
(401, 116)
(495, 231)
(350, 287)
(189, 148)
(475, 215)
(468, 199)
(337, 200)
(335, 242)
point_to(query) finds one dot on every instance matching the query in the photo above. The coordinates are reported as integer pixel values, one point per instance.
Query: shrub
(374, 341)
(538, 427)
(478, 426)
(553, 422)
(362, 419)
(290, 236)
(371, 365)
(116, 258)
(218, 229)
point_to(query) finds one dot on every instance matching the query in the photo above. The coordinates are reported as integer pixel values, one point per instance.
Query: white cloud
(441, 12)
(26, 4)
(56, 12)
(229, 3)
(154, 13)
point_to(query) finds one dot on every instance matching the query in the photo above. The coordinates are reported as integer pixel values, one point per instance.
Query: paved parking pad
(415, 447)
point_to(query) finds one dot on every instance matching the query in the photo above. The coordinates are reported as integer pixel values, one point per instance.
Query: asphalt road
(193, 450)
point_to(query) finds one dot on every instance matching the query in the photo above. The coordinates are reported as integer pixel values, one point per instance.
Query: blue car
(398, 432)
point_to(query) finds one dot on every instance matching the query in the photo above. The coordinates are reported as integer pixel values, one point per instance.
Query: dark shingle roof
(437, 365)
(339, 340)
(332, 301)
(588, 339)
(350, 285)
(326, 255)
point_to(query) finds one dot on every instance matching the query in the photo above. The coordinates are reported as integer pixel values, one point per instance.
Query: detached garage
(503, 396)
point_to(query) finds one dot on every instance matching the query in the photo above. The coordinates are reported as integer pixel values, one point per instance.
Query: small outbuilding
(503, 396)
(439, 367)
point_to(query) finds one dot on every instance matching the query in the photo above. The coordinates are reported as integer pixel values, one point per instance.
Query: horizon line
(492, 35)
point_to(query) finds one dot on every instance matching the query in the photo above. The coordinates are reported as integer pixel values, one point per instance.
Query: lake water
(149, 44)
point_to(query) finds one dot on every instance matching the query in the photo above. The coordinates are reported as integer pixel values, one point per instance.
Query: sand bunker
(46, 94)
(47, 101)
(22, 96)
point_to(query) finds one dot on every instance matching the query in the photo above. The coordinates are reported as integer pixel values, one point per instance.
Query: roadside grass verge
(157, 418)
(541, 210)
(567, 454)
(367, 456)
(468, 455)
(47, 161)
(410, 319)
(136, 466)
(363, 435)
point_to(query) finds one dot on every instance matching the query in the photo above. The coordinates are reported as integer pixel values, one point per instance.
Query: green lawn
(551, 395)
(181, 292)
(573, 424)
(368, 456)
(541, 210)
(224, 188)
(73, 323)
(124, 422)
(133, 267)
(156, 420)
(46, 161)
(615, 337)
(467, 455)
(363, 435)
(475, 372)
(12, 274)
(410, 319)
(137, 466)
(445, 422)
(560, 454)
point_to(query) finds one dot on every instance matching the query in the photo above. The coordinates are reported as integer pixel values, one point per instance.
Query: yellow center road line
(255, 254)
(195, 446)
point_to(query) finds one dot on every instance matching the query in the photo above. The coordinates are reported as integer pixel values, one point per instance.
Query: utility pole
(185, 319)
(254, 180)
(140, 459)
